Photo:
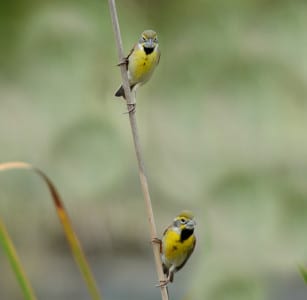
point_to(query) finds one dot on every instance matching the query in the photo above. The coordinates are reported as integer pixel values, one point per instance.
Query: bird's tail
(165, 269)
(120, 92)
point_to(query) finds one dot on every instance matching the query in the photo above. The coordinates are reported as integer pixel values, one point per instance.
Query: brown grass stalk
(130, 97)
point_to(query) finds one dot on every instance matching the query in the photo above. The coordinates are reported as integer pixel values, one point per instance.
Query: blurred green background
(223, 125)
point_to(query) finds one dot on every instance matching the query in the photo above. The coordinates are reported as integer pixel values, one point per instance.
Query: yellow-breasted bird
(141, 61)
(177, 244)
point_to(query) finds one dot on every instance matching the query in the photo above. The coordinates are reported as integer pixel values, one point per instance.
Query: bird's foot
(124, 61)
(131, 108)
(163, 283)
(156, 241)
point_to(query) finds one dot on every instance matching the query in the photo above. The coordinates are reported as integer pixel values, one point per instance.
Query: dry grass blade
(67, 226)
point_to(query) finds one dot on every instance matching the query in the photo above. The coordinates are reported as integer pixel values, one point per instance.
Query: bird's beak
(191, 224)
(149, 44)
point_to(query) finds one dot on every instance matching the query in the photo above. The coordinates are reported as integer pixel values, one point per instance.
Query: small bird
(177, 245)
(141, 61)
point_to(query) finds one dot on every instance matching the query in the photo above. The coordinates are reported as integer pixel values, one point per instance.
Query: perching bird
(141, 61)
(177, 244)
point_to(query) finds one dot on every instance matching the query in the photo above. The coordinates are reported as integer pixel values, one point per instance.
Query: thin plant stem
(130, 97)
(9, 248)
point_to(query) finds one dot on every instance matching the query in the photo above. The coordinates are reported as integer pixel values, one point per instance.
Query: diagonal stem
(8, 246)
(130, 97)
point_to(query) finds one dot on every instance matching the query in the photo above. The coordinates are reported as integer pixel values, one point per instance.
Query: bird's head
(185, 220)
(149, 40)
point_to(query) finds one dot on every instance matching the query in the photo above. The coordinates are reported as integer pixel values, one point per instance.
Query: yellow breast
(174, 251)
(141, 65)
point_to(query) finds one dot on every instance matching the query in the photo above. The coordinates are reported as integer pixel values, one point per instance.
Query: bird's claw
(131, 108)
(163, 283)
(123, 62)
(156, 241)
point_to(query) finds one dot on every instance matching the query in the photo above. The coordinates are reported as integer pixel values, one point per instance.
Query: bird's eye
(182, 221)
(155, 40)
(142, 40)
